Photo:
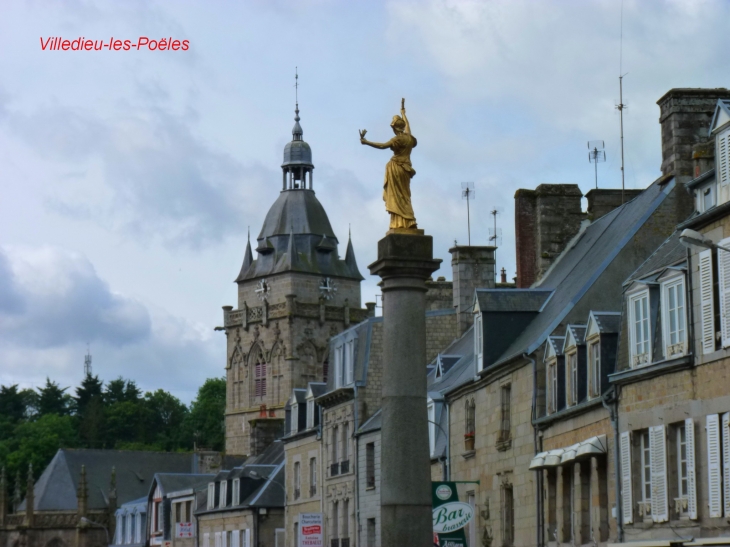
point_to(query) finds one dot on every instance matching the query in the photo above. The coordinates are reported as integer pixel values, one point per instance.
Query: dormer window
(594, 368)
(572, 377)
(236, 492)
(294, 418)
(552, 385)
(339, 376)
(211, 495)
(706, 198)
(223, 494)
(349, 361)
(310, 414)
(479, 341)
(639, 329)
(674, 319)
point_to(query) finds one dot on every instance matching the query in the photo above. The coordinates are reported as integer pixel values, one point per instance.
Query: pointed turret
(350, 261)
(82, 494)
(18, 496)
(29, 497)
(3, 498)
(247, 260)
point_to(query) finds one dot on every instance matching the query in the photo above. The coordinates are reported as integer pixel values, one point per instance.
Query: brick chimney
(546, 219)
(685, 116)
(472, 267)
(602, 201)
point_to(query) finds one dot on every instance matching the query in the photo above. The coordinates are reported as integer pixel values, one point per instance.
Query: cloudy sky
(128, 179)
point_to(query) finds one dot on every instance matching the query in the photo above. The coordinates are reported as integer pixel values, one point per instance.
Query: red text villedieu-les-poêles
(58, 43)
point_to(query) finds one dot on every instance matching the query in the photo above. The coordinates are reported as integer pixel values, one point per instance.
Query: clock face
(327, 288)
(263, 289)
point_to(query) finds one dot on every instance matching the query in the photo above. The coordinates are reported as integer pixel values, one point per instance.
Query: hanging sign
(449, 515)
(311, 532)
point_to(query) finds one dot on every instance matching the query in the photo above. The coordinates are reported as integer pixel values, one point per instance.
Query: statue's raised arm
(398, 173)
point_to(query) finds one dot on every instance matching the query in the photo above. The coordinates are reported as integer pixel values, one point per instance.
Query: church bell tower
(292, 298)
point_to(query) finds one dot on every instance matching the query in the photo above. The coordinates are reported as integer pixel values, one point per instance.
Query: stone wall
(302, 450)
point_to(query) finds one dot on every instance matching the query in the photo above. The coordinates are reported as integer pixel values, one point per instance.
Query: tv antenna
(596, 155)
(467, 193)
(87, 362)
(495, 234)
(621, 106)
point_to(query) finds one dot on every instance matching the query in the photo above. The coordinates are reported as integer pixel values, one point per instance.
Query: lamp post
(88, 522)
(690, 238)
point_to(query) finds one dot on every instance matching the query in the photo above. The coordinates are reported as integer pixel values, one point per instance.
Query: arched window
(308, 363)
(259, 369)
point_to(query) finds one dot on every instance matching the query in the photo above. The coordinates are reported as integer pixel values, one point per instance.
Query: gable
(721, 115)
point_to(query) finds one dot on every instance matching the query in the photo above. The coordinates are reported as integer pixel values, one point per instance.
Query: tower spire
(297, 131)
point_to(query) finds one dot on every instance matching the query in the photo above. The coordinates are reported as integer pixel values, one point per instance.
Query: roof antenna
(596, 154)
(467, 193)
(621, 106)
(495, 235)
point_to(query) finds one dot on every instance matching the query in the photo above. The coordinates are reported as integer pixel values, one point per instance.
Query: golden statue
(398, 173)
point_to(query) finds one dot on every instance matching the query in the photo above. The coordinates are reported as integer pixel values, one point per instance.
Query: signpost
(311, 530)
(450, 516)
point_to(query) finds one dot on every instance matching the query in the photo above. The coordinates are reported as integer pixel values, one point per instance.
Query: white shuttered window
(689, 431)
(723, 157)
(206, 540)
(725, 421)
(626, 497)
(723, 266)
(236, 538)
(659, 497)
(714, 489)
(707, 308)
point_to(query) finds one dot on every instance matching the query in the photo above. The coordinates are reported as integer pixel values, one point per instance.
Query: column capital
(405, 256)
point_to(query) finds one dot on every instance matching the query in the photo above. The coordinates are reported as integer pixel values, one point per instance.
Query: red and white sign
(184, 529)
(311, 530)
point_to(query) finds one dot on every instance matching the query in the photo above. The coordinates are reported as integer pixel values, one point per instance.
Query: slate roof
(318, 388)
(578, 332)
(266, 490)
(577, 269)
(669, 253)
(608, 322)
(55, 490)
(557, 343)
(512, 300)
(174, 482)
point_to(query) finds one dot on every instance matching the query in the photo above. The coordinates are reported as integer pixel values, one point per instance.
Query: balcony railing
(335, 542)
(334, 469)
(345, 467)
(344, 542)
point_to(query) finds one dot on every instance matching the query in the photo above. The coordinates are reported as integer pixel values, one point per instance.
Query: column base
(406, 526)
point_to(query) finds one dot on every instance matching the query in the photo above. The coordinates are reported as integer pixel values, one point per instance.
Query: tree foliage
(34, 424)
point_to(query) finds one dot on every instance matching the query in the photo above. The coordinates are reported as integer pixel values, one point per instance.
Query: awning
(553, 457)
(569, 453)
(591, 447)
(538, 462)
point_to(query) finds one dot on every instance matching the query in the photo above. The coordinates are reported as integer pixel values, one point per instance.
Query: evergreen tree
(12, 404)
(53, 400)
(164, 419)
(121, 390)
(90, 388)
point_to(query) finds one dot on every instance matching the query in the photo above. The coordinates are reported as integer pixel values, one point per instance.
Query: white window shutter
(726, 460)
(707, 308)
(723, 264)
(689, 428)
(723, 158)
(224, 539)
(658, 451)
(247, 535)
(627, 501)
(206, 540)
(236, 538)
(714, 490)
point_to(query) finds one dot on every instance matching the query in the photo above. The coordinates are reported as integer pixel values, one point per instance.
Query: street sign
(184, 529)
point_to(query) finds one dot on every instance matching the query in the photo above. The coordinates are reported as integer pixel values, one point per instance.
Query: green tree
(206, 421)
(90, 388)
(164, 419)
(12, 403)
(121, 390)
(53, 400)
(125, 424)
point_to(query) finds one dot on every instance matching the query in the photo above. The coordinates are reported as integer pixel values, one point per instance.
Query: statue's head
(398, 124)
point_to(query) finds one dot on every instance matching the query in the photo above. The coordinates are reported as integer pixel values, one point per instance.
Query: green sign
(450, 516)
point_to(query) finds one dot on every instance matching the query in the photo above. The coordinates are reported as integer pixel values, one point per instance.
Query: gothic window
(260, 369)
(277, 373)
(308, 363)
(236, 372)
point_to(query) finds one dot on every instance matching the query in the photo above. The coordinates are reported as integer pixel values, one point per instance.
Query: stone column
(579, 495)
(559, 504)
(405, 262)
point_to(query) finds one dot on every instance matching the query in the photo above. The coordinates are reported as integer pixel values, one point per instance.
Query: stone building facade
(292, 298)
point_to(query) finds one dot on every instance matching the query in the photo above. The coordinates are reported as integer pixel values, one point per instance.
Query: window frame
(645, 465)
(211, 495)
(310, 413)
(223, 494)
(479, 340)
(312, 476)
(552, 386)
(594, 367)
(642, 359)
(505, 422)
(678, 284)
(571, 377)
(297, 480)
(294, 417)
